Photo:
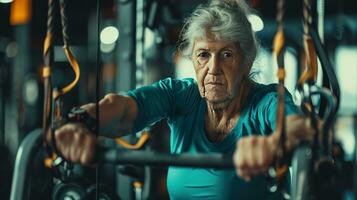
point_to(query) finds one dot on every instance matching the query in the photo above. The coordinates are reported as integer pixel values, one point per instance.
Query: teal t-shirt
(180, 102)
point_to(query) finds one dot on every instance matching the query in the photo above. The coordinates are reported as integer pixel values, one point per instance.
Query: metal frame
(126, 72)
(23, 165)
(201, 160)
(301, 171)
(33, 142)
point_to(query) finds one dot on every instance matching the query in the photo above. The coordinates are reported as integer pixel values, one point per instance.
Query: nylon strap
(280, 129)
(143, 139)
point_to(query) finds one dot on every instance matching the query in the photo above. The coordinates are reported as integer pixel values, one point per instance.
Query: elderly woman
(212, 114)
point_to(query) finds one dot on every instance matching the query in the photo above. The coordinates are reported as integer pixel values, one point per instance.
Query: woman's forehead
(212, 43)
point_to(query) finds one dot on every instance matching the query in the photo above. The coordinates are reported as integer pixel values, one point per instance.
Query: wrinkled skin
(219, 69)
(221, 77)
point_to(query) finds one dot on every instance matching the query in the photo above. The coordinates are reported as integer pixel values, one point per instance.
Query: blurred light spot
(345, 134)
(139, 74)
(267, 68)
(109, 35)
(6, 1)
(11, 49)
(346, 68)
(31, 91)
(185, 68)
(149, 38)
(256, 22)
(107, 48)
(291, 65)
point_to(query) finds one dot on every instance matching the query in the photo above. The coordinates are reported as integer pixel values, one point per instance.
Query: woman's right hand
(76, 143)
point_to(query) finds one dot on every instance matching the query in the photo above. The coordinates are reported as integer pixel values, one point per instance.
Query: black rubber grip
(199, 160)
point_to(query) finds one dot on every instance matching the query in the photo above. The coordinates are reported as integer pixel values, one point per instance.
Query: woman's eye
(227, 54)
(203, 55)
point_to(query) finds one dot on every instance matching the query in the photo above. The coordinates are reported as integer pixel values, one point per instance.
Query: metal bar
(126, 71)
(301, 169)
(3, 77)
(23, 165)
(355, 158)
(200, 160)
(326, 66)
(126, 52)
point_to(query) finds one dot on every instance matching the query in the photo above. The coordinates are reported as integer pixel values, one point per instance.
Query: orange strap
(281, 74)
(143, 139)
(45, 71)
(281, 171)
(279, 40)
(75, 66)
(49, 160)
(278, 46)
(47, 43)
(310, 73)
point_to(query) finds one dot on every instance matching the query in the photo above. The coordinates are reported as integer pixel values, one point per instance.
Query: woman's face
(219, 68)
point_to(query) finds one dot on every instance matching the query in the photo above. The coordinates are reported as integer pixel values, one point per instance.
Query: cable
(97, 91)
(46, 76)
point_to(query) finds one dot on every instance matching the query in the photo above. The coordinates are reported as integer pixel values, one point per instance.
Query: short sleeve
(159, 100)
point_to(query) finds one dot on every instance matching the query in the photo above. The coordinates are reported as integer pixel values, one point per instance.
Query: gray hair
(227, 20)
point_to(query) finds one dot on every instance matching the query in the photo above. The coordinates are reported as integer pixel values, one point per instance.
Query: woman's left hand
(254, 155)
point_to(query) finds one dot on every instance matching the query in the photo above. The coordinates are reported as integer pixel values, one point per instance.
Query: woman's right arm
(75, 141)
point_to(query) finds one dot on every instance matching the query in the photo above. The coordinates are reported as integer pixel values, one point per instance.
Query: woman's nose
(214, 66)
